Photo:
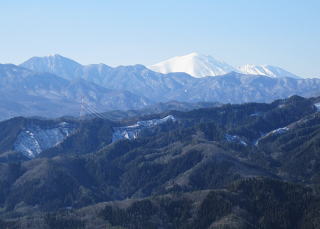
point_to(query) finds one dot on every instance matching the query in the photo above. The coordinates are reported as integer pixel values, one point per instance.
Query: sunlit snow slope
(196, 65)
(266, 70)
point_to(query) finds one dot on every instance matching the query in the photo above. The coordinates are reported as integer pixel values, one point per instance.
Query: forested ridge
(253, 165)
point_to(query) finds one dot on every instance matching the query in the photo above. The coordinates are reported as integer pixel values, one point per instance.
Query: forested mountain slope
(244, 154)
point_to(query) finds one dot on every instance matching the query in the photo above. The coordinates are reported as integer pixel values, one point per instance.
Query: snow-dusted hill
(196, 65)
(266, 70)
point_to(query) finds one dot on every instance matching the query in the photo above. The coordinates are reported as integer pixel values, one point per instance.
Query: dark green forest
(253, 165)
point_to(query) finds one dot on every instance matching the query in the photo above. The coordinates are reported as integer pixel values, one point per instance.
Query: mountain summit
(55, 64)
(195, 64)
(266, 70)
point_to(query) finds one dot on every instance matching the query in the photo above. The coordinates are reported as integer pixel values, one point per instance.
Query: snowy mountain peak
(266, 70)
(199, 65)
(195, 64)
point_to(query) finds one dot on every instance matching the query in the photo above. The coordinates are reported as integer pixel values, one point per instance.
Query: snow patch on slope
(278, 131)
(133, 131)
(235, 139)
(317, 105)
(34, 139)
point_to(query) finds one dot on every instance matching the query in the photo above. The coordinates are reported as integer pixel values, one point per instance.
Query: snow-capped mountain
(266, 70)
(196, 65)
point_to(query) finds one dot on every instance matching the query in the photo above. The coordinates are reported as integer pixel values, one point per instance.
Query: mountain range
(28, 93)
(41, 86)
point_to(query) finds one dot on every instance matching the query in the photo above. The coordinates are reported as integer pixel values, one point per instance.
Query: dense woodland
(219, 167)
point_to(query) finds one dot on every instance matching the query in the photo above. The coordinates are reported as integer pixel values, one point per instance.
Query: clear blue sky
(278, 32)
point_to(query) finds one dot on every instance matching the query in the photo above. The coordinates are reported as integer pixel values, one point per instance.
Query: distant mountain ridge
(42, 85)
(159, 87)
(27, 93)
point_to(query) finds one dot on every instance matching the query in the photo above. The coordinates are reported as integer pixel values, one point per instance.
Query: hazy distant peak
(56, 64)
(51, 58)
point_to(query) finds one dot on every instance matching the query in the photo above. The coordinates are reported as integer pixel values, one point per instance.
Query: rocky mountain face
(221, 167)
